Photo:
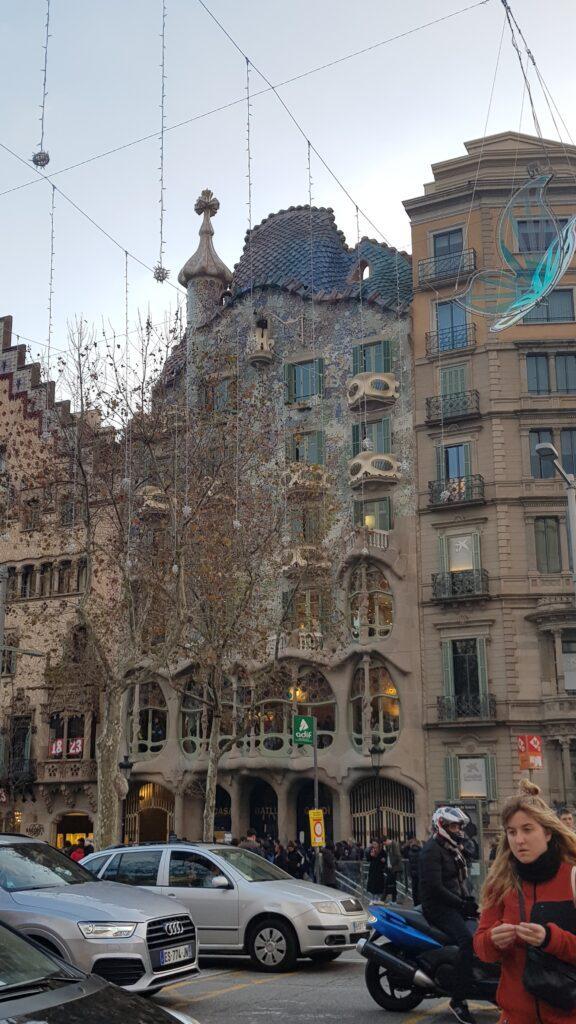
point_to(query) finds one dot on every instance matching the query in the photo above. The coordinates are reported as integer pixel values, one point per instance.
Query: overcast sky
(379, 120)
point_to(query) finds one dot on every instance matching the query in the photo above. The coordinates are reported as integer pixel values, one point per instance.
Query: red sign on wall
(530, 752)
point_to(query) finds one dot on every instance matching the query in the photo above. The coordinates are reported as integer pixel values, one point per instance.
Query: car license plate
(360, 926)
(173, 956)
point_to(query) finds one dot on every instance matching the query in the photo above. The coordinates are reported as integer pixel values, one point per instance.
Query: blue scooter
(416, 961)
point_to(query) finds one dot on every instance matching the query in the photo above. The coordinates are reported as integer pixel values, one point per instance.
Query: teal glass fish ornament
(537, 251)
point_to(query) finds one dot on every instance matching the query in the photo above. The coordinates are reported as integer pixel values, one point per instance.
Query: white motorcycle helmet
(449, 816)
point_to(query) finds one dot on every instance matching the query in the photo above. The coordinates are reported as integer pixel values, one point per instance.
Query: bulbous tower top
(205, 262)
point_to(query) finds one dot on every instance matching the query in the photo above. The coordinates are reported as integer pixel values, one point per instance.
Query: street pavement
(230, 990)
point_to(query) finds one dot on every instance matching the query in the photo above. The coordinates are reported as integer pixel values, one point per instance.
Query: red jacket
(518, 1006)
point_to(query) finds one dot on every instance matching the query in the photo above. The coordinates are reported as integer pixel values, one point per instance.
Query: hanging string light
(42, 158)
(160, 272)
(249, 177)
(50, 284)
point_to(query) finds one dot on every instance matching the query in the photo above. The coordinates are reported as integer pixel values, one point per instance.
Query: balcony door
(465, 676)
(451, 325)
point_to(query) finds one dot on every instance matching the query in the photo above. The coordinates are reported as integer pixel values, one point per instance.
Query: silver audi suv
(140, 940)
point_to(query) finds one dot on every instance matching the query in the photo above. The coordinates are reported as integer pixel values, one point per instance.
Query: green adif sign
(303, 729)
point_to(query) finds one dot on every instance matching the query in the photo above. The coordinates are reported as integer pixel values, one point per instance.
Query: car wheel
(325, 956)
(272, 945)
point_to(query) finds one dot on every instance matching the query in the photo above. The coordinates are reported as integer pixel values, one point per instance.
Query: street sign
(303, 730)
(317, 831)
(530, 752)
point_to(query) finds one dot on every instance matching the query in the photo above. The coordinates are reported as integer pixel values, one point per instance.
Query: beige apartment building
(497, 607)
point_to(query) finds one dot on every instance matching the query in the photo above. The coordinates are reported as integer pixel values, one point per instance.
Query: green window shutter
(452, 380)
(356, 360)
(447, 668)
(289, 382)
(440, 463)
(384, 514)
(318, 448)
(443, 560)
(482, 666)
(467, 459)
(355, 439)
(319, 376)
(386, 440)
(491, 778)
(451, 776)
(476, 555)
(290, 449)
(376, 358)
(386, 356)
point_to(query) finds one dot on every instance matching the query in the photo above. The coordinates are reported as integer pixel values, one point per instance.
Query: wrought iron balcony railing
(452, 709)
(459, 586)
(16, 772)
(456, 490)
(456, 406)
(445, 268)
(450, 339)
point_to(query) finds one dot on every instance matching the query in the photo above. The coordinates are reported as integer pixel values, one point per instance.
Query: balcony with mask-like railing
(450, 339)
(368, 467)
(459, 405)
(456, 490)
(372, 390)
(450, 266)
(479, 706)
(466, 585)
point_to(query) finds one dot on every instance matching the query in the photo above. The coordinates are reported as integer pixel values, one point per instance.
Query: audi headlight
(327, 908)
(106, 930)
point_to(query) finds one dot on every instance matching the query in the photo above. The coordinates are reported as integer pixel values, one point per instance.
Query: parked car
(141, 941)
(240, 902)
(37, 986)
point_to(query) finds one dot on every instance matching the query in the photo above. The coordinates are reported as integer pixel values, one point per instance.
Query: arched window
(196, 715)
(313, 695)
(147, 719)
(371, 604)
(375, 707)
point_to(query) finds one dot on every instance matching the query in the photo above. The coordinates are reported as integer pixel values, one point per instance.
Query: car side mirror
(220, 882)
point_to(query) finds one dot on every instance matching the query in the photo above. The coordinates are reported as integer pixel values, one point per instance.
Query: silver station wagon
(240, 902)
(139, 940)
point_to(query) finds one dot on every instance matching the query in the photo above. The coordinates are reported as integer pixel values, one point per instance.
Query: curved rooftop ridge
(278, 254)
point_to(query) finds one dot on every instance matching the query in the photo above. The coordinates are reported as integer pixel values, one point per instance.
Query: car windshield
(251, 866)
(21, 963)
(37, 866)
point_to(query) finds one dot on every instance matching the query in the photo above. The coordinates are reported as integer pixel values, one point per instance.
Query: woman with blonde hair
(528, 919)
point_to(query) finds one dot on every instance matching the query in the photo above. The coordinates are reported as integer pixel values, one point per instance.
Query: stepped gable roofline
(205, 262)
(301, 250)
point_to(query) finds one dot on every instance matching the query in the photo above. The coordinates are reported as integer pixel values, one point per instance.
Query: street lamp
(547, 453)
(377, 751)
(125, 766)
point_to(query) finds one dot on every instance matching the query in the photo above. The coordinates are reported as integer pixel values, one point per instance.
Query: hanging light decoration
(160, 272)
(42, 158)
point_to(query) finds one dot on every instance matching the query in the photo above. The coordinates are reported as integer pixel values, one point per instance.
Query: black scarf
(543, 868)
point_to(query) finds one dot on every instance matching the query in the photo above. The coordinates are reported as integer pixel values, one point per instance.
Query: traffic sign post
(317, 829)
(304, 733)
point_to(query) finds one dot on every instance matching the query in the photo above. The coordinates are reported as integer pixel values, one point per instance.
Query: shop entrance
(73, 827)
(149, 813)
(264, 810)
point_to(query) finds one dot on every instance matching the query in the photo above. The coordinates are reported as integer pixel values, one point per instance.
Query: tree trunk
(112, 787)
(211, 780)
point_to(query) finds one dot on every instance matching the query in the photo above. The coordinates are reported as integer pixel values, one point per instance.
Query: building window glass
(465, 673)
(45, 579)
(447, 251)
(27, 581)
(304, 380)
(66, 737)
(64, 577)
(305, 526)
(536, 235)
(313, 695)
(371, 605)
(376, 433)
(537, 372)
(547, 536)
(374, 706)
(540, 469)
(451, 326)
(9, 656)
(82, 575)
(558, 306)
(461, 553)
(568, 450)
(569, 659)
(148, 718)
(566, 373)
(306, 447)
(32, 515)
(372, 357)
(67, 512)
(11, 583)
(373, 515)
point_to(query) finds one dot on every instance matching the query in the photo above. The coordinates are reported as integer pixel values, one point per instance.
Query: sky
(379, 120)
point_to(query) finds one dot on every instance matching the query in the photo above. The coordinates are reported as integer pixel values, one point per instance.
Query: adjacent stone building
(496, 593)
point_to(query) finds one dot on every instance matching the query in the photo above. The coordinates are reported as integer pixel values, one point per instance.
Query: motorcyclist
(445, 900)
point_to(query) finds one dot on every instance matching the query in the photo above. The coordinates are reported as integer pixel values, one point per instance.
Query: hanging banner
(530, 755)
(317, 830)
